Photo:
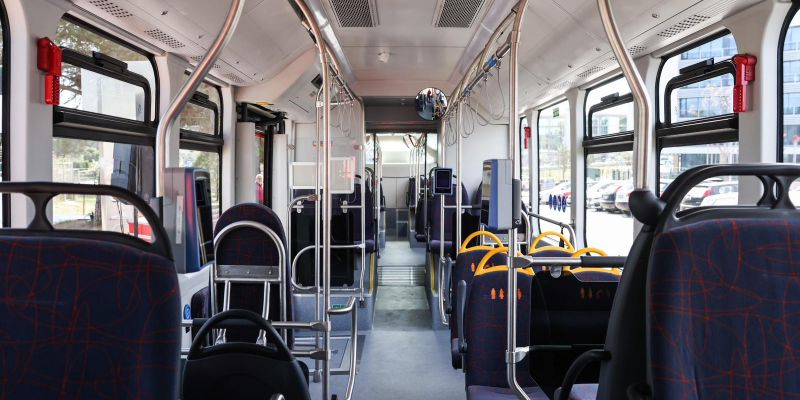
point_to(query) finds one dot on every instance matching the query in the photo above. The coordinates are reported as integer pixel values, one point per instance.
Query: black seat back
(242, 370)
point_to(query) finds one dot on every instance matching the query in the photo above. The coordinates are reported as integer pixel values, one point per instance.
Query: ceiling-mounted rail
(164, 132)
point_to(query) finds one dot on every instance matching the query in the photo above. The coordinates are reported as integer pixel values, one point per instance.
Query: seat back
(248, 245)
(87, 314)
(485, 326)
(244, 371)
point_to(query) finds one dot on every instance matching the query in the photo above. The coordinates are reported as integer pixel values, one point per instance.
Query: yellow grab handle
(589, 250)
(481, 269)
(552, 233)
(475, 234)
(534, 251)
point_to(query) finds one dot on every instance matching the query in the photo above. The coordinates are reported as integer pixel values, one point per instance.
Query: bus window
(555, 165)
(698, 126)
(610, 109)
(103, 131)
(790, 81)
(201, 139)
(261, 143)
(608, 144)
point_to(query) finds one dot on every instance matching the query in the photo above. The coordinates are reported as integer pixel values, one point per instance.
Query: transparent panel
(616, 119)
(210, 162)
(791, 92)
(609, 181)
(86, 90)
(716, 92)
(259, 154)
(86, 41)
(709, 98)
(718, 191)
(94, 162)
(198, 119)
(555, 165)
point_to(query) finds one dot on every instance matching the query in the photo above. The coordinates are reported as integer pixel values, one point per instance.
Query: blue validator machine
(500, 201)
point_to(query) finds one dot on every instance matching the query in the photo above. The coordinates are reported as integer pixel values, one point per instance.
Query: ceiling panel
(412, 63)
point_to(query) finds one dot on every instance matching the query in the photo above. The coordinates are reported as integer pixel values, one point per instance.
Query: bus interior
(399, 199)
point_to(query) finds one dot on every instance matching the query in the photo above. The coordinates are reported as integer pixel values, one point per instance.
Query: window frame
(787, 22)
(707, 130)
(273, 123)
(69, 123)
(560, 100)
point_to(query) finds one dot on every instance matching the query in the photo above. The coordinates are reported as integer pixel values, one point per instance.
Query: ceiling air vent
(591, 71)
(355, 13)
(111, 8)
(457, 13)
(165, 38)
(234, 78)
(683, 25)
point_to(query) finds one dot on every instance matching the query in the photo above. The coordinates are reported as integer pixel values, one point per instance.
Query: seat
(87, 314)
(483, 338)
(436, 221)
(369, 216)
(722, 317)
(466, 263)
(245, 371)
(250, 246)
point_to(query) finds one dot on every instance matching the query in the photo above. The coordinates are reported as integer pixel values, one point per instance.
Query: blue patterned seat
(85, 318)
(723, 316)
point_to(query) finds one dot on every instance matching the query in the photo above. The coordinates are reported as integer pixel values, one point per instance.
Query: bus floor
(403, 358)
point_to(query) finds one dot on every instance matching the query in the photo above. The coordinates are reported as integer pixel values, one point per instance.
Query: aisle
(403, 358)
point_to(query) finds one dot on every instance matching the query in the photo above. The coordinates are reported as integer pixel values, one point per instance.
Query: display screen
(443, 181)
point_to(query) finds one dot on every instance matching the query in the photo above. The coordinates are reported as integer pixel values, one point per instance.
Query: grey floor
(403, 358)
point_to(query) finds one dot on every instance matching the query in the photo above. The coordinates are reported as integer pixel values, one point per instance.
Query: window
(201, 138)
(608, 146)
(259, 154)
(610, 109)
(703, 94)
(525, 163)
(789, 118)
(681, 78)
(104, 128)
(609, 182)
(555, 165)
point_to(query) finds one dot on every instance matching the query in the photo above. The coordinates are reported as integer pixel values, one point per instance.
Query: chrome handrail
(350, 308)
(568, 227)
(298, 286)
(176, 106)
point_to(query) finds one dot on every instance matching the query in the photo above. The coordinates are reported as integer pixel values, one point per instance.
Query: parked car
(695, 196)
(724, 199)
(608, 198)
(595, 192)
(621, 198)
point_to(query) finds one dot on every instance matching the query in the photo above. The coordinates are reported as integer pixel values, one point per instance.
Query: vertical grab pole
(326, 223)
(164, 132)
(643, 140)
(459, 198)
(441, 263)
(513, 128)
(317, 216)
(363, 201)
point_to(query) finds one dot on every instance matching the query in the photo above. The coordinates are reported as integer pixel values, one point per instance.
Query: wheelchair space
(402, 356)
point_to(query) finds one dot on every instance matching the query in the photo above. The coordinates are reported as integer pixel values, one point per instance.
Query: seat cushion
(420, 237)
(586, 391)
(497, 393)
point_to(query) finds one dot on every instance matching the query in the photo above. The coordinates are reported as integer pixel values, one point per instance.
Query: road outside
(612, 233)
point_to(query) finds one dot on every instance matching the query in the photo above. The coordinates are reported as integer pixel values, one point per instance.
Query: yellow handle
(480, 233)
(482, 265)
(589, 250)
(534, 251)
(552, 233)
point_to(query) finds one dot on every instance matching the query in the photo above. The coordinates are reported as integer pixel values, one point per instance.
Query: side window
(790, 117)
(555, 165)
(104, 128)
(608, 145)
(201, 138)
(697, 125)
